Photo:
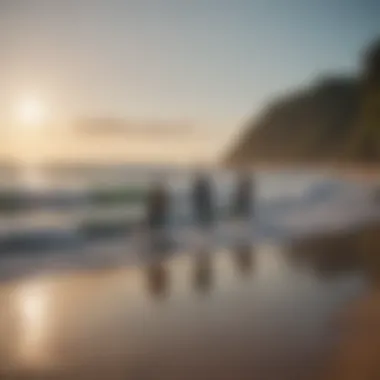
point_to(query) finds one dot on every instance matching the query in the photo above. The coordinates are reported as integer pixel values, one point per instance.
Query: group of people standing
(202, 202)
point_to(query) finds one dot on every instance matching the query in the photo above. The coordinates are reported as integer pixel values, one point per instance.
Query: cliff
(335, 120)
(312, 125)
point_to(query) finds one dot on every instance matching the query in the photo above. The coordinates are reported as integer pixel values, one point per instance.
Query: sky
(209, 63)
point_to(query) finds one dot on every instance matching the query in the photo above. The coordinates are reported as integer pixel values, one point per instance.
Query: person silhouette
(159, 250)
(203, 271)
(243, 258)
(157, 207)
(243, 199)
(157, 279)
(202, 201)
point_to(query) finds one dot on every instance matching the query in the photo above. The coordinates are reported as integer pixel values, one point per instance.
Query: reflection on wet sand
(156, 272)
(244, 258)
(203, 271)
(286, 320)
(357, 355)
(328, 255)
(158, 280)
(33, 304)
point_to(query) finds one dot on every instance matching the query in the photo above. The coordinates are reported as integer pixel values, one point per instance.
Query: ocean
(270, 296)
(56, 221)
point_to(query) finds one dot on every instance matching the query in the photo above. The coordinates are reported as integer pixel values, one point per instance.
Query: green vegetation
(334, 121)
(13, 202)
(113, 196)
(101, 228)
(311, 125)
(10, 202)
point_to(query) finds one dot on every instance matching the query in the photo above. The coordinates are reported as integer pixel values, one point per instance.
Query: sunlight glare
(33, 304)
(31, 112)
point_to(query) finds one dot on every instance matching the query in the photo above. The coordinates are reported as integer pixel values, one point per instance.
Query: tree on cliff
(369, 121)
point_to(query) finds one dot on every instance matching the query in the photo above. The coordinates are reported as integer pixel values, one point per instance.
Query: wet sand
(305, 309)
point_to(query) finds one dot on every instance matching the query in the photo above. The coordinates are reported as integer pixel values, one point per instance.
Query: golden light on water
(33, 300)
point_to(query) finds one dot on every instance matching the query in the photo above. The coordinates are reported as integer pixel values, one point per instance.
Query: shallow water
(56, 205)
(266, 299)
(270, 311)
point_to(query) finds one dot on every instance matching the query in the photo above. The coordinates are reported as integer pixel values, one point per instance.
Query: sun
(31, 112)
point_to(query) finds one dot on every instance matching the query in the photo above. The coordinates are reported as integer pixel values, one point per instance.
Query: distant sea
(59, 217)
